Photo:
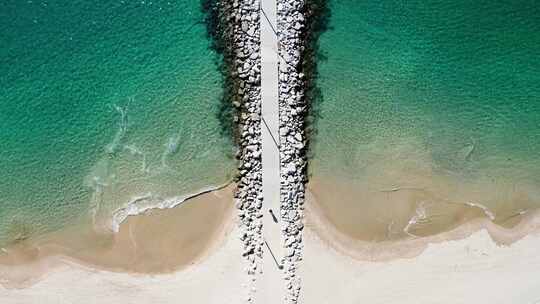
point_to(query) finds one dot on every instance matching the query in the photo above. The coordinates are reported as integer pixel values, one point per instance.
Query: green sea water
(102, 102)
(438, 97)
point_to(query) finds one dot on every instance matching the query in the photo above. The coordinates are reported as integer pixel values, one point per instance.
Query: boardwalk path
(271, 286)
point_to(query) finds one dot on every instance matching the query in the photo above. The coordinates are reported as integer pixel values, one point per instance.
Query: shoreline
(469, 270)
(77, 283)
(132, 209)
(471, 264)
(33, 260)
(380, 208)
(386, 251)
(147, 244)
(322, 251)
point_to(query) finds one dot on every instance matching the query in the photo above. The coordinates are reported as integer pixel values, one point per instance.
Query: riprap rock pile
(240, 22)
(293, 109)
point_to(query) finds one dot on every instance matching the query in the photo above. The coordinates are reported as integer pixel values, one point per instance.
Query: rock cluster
(293, 110)
(240, 20)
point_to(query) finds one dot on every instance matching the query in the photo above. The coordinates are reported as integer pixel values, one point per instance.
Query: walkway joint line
(271, 133)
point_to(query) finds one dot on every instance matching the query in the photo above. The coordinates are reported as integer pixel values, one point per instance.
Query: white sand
(472, 270)
(218, 279)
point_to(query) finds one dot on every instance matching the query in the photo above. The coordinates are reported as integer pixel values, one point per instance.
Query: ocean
(430, 115)
(101, 104)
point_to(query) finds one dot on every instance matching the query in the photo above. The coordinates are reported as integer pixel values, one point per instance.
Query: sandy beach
(464, 265)
(381, 208)
(473, 269)
(470, 270)
(330, 231)
(218, 279)
(157, 241)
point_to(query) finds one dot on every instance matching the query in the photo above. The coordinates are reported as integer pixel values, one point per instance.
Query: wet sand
(360, 232)
(336, 266)
(157, 241)
(386, 207)
(471, 270)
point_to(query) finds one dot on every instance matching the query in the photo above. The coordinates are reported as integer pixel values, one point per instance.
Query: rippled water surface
(103, 102)
(430, 117)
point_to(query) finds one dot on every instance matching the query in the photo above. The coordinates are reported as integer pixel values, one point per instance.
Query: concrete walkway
(270, 286)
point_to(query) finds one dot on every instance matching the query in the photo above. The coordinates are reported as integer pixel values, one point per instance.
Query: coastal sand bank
(347, 230)
(384, 208)
(463, 265)
(219, 278)
(469, 270)
(156, 241)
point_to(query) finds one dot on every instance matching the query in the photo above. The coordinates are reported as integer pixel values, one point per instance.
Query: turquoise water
(102, 102)
(441, 96)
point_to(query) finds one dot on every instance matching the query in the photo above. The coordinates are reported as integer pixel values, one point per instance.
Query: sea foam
(141, 204)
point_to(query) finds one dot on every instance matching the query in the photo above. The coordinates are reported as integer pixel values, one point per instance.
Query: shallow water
(101, 103)
(428, 105)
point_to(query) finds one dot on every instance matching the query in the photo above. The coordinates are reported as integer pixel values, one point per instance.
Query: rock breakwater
(291, 27)
(239, 29)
